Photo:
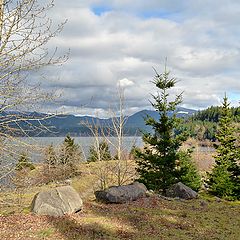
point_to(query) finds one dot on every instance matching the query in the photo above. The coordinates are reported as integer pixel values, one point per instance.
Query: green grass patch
(45, 233)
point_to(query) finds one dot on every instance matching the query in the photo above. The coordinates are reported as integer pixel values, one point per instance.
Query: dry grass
(202, 154)
(148, 218)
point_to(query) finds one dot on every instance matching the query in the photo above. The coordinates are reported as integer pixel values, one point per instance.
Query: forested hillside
(213, 113)
(203, 124)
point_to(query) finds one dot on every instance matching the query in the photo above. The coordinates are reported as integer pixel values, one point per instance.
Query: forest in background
(202, 125)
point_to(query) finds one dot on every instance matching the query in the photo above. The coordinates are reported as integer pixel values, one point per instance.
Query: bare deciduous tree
(25, 31)
(122, 169)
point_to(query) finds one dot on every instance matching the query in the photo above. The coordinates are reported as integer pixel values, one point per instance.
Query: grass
(150, 218)
(45, 233)
(147, 218)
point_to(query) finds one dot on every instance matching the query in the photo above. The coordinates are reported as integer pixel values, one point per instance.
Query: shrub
(24, 163)
(61, 162)
(99, 152)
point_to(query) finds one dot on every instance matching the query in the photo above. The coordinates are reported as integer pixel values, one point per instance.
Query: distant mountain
(77, 125)
(136, 121)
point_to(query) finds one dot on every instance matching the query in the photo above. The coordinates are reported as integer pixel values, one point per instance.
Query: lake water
(84, 143)
(35, 146)
(35, 149)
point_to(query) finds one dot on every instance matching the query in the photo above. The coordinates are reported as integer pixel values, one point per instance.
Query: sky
(120, 42)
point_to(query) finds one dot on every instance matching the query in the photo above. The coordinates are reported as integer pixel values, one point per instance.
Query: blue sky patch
(234, 96)
(162, 14)
(99, 10)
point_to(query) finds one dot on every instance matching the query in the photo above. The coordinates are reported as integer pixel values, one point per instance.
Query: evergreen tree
(50, 156)
(224, 180)
(188, 173)
(134, 152)
(101, 153)
(70, 152)
(158, 164)
(24, 163)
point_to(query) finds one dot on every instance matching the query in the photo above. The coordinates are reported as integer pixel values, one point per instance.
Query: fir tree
(134, 152)
(50, 156)
(24, 163)
(70, 152)
(158, 164)
(224, 180)
(102, 153)
(188, 173)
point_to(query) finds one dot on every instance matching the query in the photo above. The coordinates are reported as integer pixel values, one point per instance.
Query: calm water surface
(84, 143)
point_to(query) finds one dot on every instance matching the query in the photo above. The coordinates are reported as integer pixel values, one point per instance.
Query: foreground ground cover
(147, 218)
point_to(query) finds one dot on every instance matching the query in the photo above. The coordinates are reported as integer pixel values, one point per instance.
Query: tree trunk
(1, 18)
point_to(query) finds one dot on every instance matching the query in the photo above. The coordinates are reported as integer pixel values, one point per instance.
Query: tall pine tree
(224, 180)
(160, 164)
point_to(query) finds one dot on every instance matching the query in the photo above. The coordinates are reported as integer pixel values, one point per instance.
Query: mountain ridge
(63, 124)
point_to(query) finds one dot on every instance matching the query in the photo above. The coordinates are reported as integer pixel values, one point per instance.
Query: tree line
(213, 114)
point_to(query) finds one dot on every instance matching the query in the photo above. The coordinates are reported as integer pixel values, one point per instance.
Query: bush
(61, 162)
(50, 157)
(24, 163)
(100, 152)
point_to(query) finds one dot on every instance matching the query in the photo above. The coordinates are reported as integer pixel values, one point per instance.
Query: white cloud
(125, 83)
(201, 42)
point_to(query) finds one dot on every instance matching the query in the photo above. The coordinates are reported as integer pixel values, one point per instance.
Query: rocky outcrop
(179, 190)
(57, 202)
(122, 194)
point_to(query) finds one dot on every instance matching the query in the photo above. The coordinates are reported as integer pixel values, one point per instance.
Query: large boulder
(180, 190)
(57, 202)
(122, 194)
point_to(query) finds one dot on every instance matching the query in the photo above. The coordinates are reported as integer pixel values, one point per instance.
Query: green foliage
(224, 180)
(70, 152)
(50, 156)
(133, 152)
(24, 163)
(198, 129)
(61, 162)
(188, 173)
(99, 153)
(158, 163)
(213, 114)
(203, 124)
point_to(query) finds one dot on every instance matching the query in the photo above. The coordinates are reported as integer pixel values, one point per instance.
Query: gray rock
(122, 194)
(57, 202)
(180, 190)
